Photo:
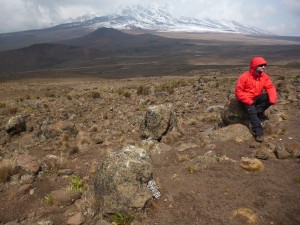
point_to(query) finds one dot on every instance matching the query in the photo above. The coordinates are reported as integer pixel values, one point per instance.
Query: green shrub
(77, 184)
(122, 219)
(48, 200)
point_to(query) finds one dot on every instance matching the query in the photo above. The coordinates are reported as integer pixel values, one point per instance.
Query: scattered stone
(52, 163)
(186, 146)
(27, 179)
(12, 223)
(281, 153)
(121, 181)
(293, 149)
(251, 164)
(28, 163)
(16, 125)
(202, 162)
(76, 219)
(64, 197)
(102, 222)
(214, 108)
(254, 145)
(263, 153)
(24, 189)
(230, 132)
(65, 172)
(55, 130)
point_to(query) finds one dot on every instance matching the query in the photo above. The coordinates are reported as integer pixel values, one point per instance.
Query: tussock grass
(77, 184)
(253, 165)
(248, 214)
(143, 90)
(122, 218)
(94, 95)
(2, 105)
(7, 168)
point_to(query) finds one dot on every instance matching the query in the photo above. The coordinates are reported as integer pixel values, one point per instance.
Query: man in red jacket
(256, 92)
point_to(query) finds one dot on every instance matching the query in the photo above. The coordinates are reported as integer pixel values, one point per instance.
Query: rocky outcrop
(158, 121)
(121, 181)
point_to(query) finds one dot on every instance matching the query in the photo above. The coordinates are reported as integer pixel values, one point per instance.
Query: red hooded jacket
(250, 84)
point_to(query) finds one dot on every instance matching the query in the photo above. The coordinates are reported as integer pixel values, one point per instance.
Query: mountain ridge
(159, 19)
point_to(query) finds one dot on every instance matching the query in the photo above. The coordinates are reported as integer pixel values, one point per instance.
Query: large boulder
(121, 181)
(233, 113)
(16, 125)
(158, 121)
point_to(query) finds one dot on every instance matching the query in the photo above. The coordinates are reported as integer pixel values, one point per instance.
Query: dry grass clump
(251, 164)
(94, 94)
(2, 105)
(7, 168)
(247, 214)
(143, 90)
(125, 92)
(9, 110)
(69, 149)
(166, 87)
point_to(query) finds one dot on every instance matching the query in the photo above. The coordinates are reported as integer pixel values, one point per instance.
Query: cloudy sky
(281, 17)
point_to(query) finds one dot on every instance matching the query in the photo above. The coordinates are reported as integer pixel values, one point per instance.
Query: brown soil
(221, 194)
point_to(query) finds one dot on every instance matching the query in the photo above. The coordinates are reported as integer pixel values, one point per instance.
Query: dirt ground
(107, 113)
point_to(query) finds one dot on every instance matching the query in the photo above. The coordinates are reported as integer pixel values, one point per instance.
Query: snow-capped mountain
(158, 19)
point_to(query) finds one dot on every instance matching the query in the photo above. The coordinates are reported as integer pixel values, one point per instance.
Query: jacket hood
(255, 62)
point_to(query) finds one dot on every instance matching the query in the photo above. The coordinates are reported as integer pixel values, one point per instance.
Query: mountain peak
(158, 18)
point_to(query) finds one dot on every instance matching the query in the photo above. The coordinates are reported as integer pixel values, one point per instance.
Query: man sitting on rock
(256, 92)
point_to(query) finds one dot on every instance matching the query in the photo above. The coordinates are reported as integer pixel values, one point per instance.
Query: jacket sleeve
(240, 94)
(271, 90)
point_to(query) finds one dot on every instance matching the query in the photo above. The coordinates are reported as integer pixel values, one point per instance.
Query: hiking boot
(259, 138)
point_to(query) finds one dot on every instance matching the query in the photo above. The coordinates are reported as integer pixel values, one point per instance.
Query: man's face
(260, 68)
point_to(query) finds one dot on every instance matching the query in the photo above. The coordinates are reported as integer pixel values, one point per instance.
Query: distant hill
(41, 56)
(114, 40)
(109, 52)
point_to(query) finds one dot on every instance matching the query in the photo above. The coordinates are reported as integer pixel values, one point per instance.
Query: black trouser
(255, 111)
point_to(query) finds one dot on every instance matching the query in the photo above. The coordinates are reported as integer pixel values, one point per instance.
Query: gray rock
(64, 197)
(293, 149)
(202, 162)
(263, 153)
(16, 125)
(214, 108)
(24, 189)
(121, 181)
(281, 153)
(55, 130)
(233, 113)
(28, 163)
(12, 223)
(102, 222)
(230, 132)
(51, 163)
(158, 121)
(76, 219)
(27, 179)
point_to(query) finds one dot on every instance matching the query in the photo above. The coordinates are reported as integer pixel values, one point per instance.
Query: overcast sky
(281, 17)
